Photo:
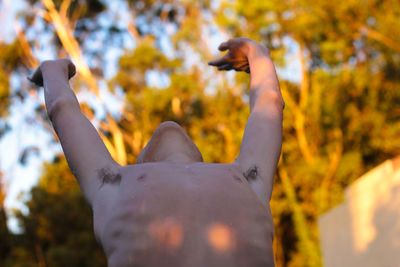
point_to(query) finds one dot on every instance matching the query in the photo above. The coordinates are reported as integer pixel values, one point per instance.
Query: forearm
(57, 90)
(264, 84)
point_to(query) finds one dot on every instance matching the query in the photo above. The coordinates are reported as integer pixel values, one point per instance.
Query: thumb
(223, 46)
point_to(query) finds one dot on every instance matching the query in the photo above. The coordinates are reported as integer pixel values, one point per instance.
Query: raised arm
(85, 151)
(262, 140)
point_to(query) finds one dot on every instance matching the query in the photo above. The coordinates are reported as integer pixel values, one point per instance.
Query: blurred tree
(341, 117)
(5, 236)
(10, 61)
(57, 230)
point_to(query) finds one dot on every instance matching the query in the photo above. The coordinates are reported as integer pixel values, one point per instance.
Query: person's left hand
(237, 56)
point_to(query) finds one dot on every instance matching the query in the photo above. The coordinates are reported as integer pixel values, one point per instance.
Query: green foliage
(58, 229)
(79, 9)
(10, 56)
(5, 244)
(4, 93)
(340, 120)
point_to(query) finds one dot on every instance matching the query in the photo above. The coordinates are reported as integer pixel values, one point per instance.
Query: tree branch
(377, 36)
(69, 43)
(333, 165)
(306, 244)
(298, 125)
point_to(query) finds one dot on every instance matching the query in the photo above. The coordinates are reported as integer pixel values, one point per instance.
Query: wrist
(51, 71)
(257, 50)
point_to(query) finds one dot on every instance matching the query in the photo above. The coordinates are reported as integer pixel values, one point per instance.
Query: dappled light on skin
(142, 206)
(167, 233)
(221, 237)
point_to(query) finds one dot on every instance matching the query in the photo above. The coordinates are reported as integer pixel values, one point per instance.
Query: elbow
(270, 102)
(59, 106)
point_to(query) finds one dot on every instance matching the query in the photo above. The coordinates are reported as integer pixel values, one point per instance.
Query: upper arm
(261, 145)
(85, 151)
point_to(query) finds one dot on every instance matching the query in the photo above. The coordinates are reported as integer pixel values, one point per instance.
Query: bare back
(169, 214)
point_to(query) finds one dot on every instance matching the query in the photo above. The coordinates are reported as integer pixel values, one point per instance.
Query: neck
(179, 157)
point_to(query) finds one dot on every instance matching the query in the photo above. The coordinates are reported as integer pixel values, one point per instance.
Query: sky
(19, 178)
(26, 133)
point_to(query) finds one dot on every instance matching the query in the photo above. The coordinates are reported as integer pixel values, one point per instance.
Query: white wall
(365, 229)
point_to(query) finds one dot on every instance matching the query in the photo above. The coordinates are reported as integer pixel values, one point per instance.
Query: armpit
(109, 176)
(252, 173)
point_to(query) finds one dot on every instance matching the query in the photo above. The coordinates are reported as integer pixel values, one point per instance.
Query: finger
(242, 66)
(225, 67)
(218, 61)
(36, 77)
(38, 82)
(223, 46)
(71, 70)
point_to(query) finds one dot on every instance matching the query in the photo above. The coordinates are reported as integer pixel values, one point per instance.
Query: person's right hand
(237, 56)
(63, 66)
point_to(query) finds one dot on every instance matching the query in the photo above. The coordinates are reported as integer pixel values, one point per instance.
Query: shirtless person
(171, 208)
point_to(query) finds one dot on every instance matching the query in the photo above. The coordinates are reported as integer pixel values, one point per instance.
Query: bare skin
(171, 208)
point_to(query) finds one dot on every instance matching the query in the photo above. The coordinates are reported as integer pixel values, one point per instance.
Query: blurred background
(141, 62)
